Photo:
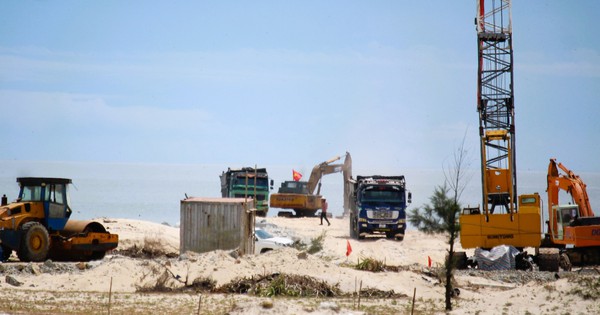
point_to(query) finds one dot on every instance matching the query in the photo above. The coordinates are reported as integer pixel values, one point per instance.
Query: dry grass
(315, 246)
(370, 264)
(374, 265)
(587, 287)
(152, 247)
(281, 285)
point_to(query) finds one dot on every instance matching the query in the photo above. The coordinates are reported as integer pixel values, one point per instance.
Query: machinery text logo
(500, 236)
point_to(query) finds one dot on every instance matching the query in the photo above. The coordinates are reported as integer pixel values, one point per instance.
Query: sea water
(153, 192)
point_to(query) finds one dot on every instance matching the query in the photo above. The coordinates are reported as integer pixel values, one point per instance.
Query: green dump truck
(248, 182)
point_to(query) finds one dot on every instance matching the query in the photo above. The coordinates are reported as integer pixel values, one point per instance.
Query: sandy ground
(114, 284)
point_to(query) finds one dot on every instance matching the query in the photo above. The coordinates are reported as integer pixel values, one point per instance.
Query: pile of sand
(479, 291)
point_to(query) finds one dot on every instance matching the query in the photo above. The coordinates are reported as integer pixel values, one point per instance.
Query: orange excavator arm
(570, 183)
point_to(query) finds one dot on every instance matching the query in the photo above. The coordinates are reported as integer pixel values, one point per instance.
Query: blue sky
(288, 82)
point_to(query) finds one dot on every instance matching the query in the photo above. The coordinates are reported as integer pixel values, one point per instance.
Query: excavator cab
(293, 187)
(564, 216)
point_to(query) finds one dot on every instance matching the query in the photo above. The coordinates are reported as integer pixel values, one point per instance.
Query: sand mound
(192, 273)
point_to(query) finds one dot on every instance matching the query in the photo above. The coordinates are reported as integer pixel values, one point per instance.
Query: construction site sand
(479, 294)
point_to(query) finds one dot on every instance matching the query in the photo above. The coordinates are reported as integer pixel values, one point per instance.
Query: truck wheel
(358, 232)
(35, 242)
(400, 238)
(6, 252)
(354, 229)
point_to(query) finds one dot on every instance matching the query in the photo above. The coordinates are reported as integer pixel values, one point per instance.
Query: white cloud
(44, 111)
(580, 63)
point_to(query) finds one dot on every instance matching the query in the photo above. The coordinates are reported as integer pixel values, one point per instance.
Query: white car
(264, 242)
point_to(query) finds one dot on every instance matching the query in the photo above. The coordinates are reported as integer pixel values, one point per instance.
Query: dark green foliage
(437, 217)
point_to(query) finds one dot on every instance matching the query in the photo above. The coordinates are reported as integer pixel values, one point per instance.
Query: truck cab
(248, 182)
(379, 206)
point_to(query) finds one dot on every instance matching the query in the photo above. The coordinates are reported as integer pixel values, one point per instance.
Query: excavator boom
(570, 183)
(319, 170)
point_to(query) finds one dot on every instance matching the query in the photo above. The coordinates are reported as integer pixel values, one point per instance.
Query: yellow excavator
(300, 196)
(37, 225)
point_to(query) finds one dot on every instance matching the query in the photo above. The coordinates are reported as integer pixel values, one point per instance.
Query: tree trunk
(450, 261)
(449, 270)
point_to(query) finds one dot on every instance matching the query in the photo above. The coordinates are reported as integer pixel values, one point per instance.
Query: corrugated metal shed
(216, 223)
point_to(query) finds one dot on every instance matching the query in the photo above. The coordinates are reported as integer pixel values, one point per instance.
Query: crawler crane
(504, 218)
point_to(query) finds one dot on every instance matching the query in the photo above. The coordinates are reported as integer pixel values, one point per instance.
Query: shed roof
(216, 200)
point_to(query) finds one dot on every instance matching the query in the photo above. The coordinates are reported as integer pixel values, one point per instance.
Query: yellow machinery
(300, 195)
(573, 234)
(304, 204)
(37, 225)
(572, 227)
(501, 220)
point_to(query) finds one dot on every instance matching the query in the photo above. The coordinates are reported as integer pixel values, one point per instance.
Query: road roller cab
(37, 225)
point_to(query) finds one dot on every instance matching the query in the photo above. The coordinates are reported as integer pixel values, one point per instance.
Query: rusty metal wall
(216, 223)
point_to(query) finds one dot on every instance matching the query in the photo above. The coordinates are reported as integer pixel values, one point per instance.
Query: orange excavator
(573, 227)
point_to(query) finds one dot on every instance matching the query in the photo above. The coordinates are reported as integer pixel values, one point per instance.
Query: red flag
(429, 261)
(296, 175)
(348, 248)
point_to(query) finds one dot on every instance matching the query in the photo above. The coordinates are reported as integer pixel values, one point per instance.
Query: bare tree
(455, 175)
(456, 178)
(441, 215)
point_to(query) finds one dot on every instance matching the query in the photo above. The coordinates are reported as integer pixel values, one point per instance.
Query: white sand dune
(481, 293)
